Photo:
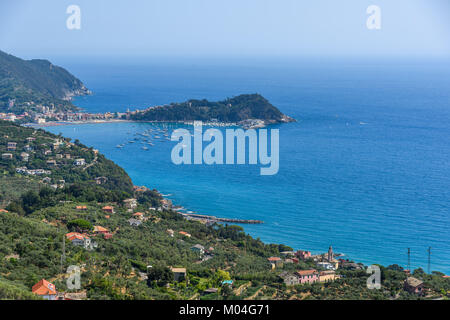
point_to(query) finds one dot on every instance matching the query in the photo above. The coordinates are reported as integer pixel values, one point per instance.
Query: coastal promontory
(247, 109)
(36, 85)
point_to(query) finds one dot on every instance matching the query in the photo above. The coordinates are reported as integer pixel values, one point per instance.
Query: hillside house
(7, 156)
(100, 229)
(138, 215)
(326, 265)
(25, 156)
(45, 289)
(27, 148)
(51, 163)
(179, 274)
(290, 279)
(170, 232)
(75, 235)
(108, 209)
(198, 248)
(77, 241)
(81, 208)
(275, 262)
(413, 286)
(328, 276)
(303, 255)
(11, 146)
(308, 276)
(79, 162)
(134, 222)
(130, 203)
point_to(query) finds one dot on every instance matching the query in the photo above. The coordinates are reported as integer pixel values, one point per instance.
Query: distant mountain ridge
(241, 108)
(26, 83)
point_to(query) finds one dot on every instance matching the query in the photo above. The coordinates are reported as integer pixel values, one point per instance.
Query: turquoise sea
(365, 169)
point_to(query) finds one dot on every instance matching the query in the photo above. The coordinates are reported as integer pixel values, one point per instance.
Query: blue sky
(32, 28)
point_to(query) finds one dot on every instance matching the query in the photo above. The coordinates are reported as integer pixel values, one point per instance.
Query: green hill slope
(24, 84)
(232, 110)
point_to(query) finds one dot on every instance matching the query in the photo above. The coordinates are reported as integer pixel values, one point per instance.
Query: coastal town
(46, 114)
(50, 116)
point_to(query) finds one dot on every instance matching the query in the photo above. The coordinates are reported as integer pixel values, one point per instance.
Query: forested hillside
(240, 108)
(26, 84)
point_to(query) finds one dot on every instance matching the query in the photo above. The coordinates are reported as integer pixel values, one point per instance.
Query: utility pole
(409, 259)
(63, 256)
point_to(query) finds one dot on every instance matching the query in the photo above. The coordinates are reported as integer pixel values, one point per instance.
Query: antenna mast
(63, 256)
(409, 259)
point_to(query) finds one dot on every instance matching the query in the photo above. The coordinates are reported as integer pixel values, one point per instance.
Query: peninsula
(29, 87)
(247, 110)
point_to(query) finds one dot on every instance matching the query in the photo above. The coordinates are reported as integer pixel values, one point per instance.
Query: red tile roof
(100, 229)
(273, 259)
(74, 235)
(44, 288)
(306, 272)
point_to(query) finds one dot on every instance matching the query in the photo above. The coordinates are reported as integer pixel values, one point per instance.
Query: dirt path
(238, 291)
(255, 294)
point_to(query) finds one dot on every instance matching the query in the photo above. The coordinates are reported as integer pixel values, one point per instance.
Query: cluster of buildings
(81, 240)
(41, 118)
(204, 254)
(32, 172)
(12, 148)
(47, 290)
(12, 117)
(323, 261)
(308, 276)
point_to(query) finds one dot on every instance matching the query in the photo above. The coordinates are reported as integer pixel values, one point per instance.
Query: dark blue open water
(365, 169)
